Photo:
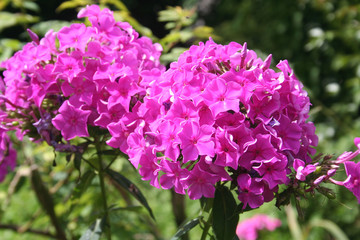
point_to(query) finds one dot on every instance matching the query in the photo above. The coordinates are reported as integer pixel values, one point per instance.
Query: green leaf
(72, 4)
(130, 187)
(43, 27)
(3, 4)
(185, 228)
(31, 6)
(94, 231)
(225, 219)
(83, 184)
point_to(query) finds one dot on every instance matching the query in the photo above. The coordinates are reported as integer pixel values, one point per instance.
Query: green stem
(207, 226)
(103, 192)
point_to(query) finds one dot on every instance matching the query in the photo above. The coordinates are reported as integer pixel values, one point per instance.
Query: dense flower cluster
(220, 114)
(82, 75)
(249, 228)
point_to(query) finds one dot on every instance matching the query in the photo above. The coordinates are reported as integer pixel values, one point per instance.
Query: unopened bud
(326, 192)
(318, 170)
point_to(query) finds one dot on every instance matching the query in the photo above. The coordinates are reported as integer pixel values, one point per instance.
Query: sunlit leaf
(3, 4)
(94, 231)
(72, 4)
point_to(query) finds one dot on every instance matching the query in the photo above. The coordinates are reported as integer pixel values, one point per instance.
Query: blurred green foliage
(320, 39)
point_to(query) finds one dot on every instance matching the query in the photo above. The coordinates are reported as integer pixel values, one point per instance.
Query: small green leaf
(185, 228)
(130, 187)
(225, 219)
(94, 231)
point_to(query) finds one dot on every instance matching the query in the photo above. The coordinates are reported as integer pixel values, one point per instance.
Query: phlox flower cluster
(218, 114)
(57, 86)
(249, 228)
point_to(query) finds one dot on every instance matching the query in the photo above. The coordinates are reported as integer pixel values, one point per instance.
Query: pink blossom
(248, 229)
(196, 140)
(200, 183)
(301, 170)
(71, 121)
(353, 181)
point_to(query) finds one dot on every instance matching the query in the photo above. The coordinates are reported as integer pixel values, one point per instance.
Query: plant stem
(178, 207)
(207, 226)
(103, 192)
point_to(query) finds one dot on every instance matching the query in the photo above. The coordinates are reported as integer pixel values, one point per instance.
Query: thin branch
(17, 228)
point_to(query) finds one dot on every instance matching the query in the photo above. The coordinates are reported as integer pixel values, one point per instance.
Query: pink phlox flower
(347, 156)
(260, 149)
(182, 111)
(137, 147)
(89, 11)
(289, 134)
(205, 115)
(168, 139)
(196, 140)
(72, 122)
(222, 96)
(112, 115)
(112, 72)
(7, 161)
(250, 191)
(76, 36)
(263, 106)
(101, 52)
(32, 54)
(149, 167)
(149, 110)
(49, 41)
(121, 91)
(245, 79)
(227, 151)
(103, 20)
(284, 66)
(200, 183)
(353, 181)
(120, 132)
(149, 76)
(273, 171)
(149, 53)
(301, 170)
(230, 121)
(173, 173)
(248, 229)
(80, 91)
(206, 164)
(242, 136)
(69, 66)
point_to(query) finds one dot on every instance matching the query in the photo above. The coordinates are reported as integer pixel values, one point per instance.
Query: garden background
(319, 38)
